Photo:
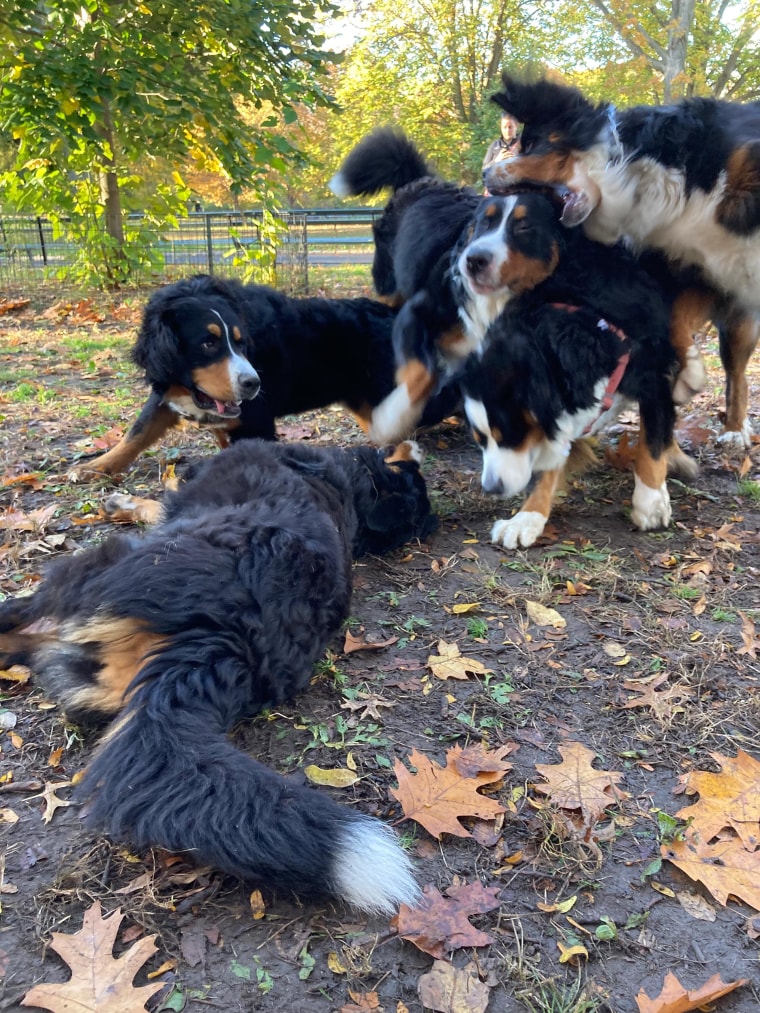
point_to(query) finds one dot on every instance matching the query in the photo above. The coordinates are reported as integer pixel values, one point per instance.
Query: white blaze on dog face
(506, 470)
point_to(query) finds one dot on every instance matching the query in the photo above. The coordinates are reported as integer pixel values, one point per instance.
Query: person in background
(505, 146)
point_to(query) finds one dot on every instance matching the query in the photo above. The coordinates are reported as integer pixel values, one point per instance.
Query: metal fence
(214, 242)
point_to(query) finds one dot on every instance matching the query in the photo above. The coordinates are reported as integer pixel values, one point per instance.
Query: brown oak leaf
(674, 998)
(440, 924)
(98, 981)
(575, 784)
(750, 636)
(474, 759)
(664, 703)
(437, 797)
(353, 643)
(368, 704)
(449, 989)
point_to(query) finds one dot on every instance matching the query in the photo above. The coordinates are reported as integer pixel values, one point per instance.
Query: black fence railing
(216, 242)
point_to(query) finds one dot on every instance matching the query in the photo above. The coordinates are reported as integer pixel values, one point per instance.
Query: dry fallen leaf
(674, 998)
(358, 643)
(541, 615)
(720, 846)
(98, 980)
(440, 924)
(663, 704)
(449, 663)
(575, 784)
(437, 797)
(448, 989)
(52, 802)
(332, 777)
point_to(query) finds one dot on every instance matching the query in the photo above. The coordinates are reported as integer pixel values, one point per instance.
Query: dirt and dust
(655, 670)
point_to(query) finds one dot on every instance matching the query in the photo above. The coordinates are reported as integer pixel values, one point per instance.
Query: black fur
(304, 353)
(545, 355)
(243, 584)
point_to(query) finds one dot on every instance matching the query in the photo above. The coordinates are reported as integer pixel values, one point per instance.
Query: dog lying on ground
(218, 612)
(417, 241)
(683, 179)
(234, 358)
(581, 338)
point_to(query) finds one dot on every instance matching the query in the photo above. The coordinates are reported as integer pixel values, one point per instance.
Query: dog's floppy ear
(157, 343)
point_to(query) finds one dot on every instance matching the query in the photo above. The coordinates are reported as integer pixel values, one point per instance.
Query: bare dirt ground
(654, 671)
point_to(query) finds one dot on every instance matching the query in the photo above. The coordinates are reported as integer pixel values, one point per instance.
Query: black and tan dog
(234, 358)
(220, 611)
(585, 334)
(683, 179)
(419, 243)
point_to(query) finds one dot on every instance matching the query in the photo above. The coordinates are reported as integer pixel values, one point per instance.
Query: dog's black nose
(249, 386)
(477, 262)
(493, 486)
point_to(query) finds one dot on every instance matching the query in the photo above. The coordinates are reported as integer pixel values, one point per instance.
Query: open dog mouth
(225, 409)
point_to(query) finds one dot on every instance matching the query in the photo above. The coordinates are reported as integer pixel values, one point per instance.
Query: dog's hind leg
(738, 339)
(155, 419)
(122, 508)
(691, 309)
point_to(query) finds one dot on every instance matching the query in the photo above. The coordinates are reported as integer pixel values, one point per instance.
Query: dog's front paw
(651, 507)
(692, 378)
(736, 441)
(87, 471)
(121, 507)
(524, 529)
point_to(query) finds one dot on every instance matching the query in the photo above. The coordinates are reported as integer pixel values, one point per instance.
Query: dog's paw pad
(524, 529)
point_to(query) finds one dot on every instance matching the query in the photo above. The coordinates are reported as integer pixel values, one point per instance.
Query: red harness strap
(617, 374)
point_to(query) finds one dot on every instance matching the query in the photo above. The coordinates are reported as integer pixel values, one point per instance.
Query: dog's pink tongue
(220, 406)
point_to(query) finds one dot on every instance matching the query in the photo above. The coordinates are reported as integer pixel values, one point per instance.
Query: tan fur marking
(533, 437)
(521, 274)
(743, 335)
(497, 434)
(519, 212)
(215, 381)
(691, 310)
(214, 329)
(554, 167)
(394, 301)
(653, 471)
(402, 452)
(541, 499)
(737, 207)
(122, 646)
(221, 433)
(491, 211)
(129, 448)
(363, 415)
(236, 333)
(142, 511)
(447, 341)
(417, 379)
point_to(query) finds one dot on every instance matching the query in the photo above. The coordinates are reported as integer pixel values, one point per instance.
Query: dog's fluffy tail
(384, 158)
(166, 775)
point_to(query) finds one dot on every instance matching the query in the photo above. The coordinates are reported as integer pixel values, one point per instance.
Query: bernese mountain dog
(218, 612)
(683, 179)
(417, 242)
(585, 333)
(234, 358)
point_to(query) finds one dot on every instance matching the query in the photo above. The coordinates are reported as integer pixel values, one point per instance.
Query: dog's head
(391, 499)
(517, 413)
(513, 244)
(193, 343)
(560, 126)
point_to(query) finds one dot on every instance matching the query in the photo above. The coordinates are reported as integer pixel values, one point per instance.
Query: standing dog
(218, 612)
(683, 179)
(234, 358)
(585, 334)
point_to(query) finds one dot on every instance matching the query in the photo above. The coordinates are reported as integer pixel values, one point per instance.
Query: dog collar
(617, 374)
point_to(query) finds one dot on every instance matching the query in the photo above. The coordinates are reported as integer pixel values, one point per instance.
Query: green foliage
(90, 87)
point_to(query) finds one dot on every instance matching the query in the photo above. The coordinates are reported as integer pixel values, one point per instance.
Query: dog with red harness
(584, 335)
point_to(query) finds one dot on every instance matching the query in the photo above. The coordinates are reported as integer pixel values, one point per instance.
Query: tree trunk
(674, 79)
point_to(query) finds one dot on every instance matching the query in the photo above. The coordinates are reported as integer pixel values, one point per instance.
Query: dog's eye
(521, 227)
(210, 343)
